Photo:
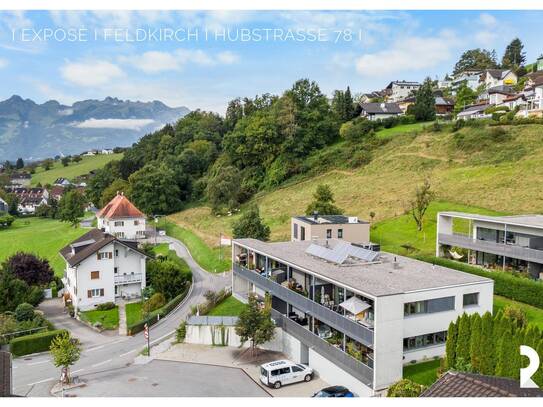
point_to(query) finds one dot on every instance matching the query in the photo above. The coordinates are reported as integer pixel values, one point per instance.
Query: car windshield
(263, 372)
(322, 394)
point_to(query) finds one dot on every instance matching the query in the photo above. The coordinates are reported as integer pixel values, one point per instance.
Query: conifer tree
(505, 350)
(463, 341)
(450, 346)
(487, 359)
(475, 349)
(538, 376)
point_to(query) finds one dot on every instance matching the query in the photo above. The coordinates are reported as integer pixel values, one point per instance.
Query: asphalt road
(35, 374)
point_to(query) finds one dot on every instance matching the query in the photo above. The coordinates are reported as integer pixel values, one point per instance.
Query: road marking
(117, 341)
(77, 371)
(96, 348)
(39, 363)
(128, 353)
(101, 363)
(41, 381)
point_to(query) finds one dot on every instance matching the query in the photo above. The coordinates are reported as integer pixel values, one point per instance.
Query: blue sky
(205, 74)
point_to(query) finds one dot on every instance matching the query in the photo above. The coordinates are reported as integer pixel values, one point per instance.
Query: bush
(518, 289)
(181, 332)
(35, 343)
(405, 388)
(155, 302)
(24, 312)
(105, 306)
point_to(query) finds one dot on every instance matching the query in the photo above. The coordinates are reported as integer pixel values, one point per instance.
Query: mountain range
(35, 131)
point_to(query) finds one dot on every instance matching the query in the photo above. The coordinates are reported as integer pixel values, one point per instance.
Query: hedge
(507, 285)
(155, 316)
(34, 343)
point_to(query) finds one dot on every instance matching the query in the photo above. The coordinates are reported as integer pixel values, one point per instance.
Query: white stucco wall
(128, 228)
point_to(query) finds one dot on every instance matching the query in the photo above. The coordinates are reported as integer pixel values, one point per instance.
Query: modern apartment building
(355, 315)
(505, 242)
(316, 226)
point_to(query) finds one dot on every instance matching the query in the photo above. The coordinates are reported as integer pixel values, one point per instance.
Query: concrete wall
(352, 232)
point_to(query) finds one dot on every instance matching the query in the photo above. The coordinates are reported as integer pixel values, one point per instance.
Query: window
(136, 222)
(119, 234)
(115, 270)
(422, 341)
(328, 233)
(116, 252)
(471, 299)
(297, 369)
(340, 233)
(302, 233)
(104, 255)
(140, 232)
(96, 292)
(95, 275)
(429, 306)
(119, 223)
(295, 231)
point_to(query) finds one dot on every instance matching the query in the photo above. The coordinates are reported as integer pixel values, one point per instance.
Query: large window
(104, 255)
(302, 233)
(471, 299)
(95, 275)
(429, 306)
(328, 233)
(340, 233)
(295, 231)
(97, 292)
(422, 341)
(119, 223)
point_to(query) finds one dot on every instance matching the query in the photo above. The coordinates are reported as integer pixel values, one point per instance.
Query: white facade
(506, 78)
(400, 90)
(123, 228)
(115, 271)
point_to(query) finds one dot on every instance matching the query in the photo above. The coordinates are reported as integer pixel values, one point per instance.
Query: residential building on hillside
(497, 94)
(62, 182)
(498, 77)
(121, 219)
(503, 242)
(474, 112)
(319, 227)
(101, 268)
(470, 77)
(443, 105)
(379, 111)
(354, 315)
(29, 198)
(20, 178)
(399, 90)
(368, 97)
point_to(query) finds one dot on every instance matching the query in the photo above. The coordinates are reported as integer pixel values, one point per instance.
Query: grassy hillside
(497, 168)
(83, 167)
(44, 237)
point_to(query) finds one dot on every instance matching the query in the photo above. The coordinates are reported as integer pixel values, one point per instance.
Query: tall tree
(505, 351)
(476, 59)
(19, 164)
(450, 345)
(465, 96)
(475, 348)
(250, 224)
(29, 268)
(323, 202)
(65, 351)
(420, 203)
(117, 186)
(424, 108)
(514, 56)
(487, 359)
(71, 207)
(463, 341)
(343, 105)
(255, 324)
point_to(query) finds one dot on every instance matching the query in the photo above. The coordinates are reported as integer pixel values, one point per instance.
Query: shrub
(516, 314)
(181, 332)
(155, 302)
(518, 289)
(105, 306)
(34, 343)
(24, 312)
(405, 388)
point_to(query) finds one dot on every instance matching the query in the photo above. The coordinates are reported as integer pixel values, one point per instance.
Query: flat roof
(330, 219)
(531, 221)
(374, 279)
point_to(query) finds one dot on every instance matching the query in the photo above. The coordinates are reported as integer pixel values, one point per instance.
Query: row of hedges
(34, 343)
(506, 285)
(155, 316)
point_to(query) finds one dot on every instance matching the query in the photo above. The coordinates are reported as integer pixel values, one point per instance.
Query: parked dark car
(334, 391)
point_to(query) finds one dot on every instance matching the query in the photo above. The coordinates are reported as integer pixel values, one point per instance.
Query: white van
(279, 372)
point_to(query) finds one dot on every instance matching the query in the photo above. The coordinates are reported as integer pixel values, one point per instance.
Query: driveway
(161, 378)
(54, 312)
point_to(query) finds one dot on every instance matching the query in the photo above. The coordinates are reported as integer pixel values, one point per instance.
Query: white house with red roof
(122, 219)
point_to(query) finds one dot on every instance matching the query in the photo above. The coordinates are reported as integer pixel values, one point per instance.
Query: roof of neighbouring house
(402, 83)
(473, 109)
(381, 108)
(497, 73)
(120, 207)
(529, 220)
(502, 89)
(441, 101)
(329, 219)
(460, 384)
(90, 243)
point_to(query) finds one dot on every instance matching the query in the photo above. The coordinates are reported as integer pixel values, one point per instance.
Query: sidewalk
(123, 330)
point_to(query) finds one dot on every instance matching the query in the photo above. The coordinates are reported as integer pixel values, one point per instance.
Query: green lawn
(161, 249)
(44, 237)
(230, 307)
(533, 314)
(205, 256)
(401, 230)
(422, 373)
(73, 170)
(109, 319)
(133, 313)
(402, 128)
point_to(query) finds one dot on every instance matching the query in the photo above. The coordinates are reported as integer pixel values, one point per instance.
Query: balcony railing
(337, 321)
(128, 278)
(345, 361)
(500, 249)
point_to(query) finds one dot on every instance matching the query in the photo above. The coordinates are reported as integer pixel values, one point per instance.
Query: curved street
(33, 375)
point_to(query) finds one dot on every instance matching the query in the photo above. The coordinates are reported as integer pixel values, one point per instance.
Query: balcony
(351, 328)
(499, 249)
(128, 278)
(352, 366)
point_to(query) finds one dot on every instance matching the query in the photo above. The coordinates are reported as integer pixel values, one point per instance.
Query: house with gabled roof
(122, 219)
(376, 111)
(498, 77)
(102, 268)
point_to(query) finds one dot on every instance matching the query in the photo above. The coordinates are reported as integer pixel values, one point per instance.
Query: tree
(19, 164)
(167, 277)
(117, 186)
(323, 202)
(514, 56)
(343, 105)
(65, 351)
(223, 186)
(450, 345)
(476, 59)
(14, 292)
(6, 220)
(424, 108)
(65, 161)
(465, 96)
(250, 225)
(24, 312)
(405, 388)
(505, 351)
(487, 360)
(475, 349)
(462, 353)
(76, 158)
(47, 164)
(255, 324)
(29, 268)
(419, 205)
(71, 207)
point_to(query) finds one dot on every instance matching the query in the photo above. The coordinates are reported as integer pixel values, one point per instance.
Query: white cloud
(3, 63)
(408, 54)
(90, 73)
(227, 57)
(488, 20)
(120, 124)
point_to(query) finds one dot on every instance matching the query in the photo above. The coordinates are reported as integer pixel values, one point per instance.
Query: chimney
(315, 215)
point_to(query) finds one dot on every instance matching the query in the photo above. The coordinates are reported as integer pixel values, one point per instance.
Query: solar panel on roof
(341, 252)
(326, 254)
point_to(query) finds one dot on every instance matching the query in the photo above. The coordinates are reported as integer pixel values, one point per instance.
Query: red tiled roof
(120, 207)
